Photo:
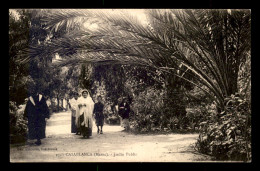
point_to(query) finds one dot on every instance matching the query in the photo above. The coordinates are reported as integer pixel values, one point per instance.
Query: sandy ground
(114, 145)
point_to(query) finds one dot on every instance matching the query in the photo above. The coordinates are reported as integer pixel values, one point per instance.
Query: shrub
(147, 110)
(227, 136)
(197, 114)
(155, 113)
(18, 125)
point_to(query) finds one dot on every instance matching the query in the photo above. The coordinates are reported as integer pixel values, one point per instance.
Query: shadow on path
(114, 145)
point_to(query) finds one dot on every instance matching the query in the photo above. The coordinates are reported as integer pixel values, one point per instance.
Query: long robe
(99, 116)
(84, 115)
(124, 110)
(73, 104)
(36, 111)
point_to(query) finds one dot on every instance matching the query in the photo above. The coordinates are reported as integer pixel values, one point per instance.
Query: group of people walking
(82, 111)
(83, 108)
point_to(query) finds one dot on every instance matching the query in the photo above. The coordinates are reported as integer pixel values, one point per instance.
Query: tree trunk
(175, 96)
(62, 103)
(67, 106)
(51, 104)
(58, 104)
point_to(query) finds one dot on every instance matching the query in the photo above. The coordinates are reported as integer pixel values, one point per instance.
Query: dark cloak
(36, 117)
(124, 110)
(98, 111)
(73, 124)
(85, 131)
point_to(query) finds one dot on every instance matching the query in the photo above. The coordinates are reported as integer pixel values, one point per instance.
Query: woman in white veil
(84, 114)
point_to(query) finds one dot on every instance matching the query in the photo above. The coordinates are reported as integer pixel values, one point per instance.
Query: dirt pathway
(113, 146)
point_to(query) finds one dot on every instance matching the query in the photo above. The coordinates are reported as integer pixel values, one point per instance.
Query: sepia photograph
(130, 85)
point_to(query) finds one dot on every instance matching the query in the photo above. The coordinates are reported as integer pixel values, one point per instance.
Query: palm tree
(207, 45)
(218, 41)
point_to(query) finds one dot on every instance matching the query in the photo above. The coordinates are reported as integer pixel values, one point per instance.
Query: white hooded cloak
(87, 109)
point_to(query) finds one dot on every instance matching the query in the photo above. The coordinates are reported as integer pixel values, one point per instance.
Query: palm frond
(210, 43)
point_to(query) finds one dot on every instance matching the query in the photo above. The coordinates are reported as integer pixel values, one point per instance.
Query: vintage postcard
(130, 85)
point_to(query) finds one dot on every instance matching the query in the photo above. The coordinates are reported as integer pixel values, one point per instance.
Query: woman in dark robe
(36, 111)
(124, 110)
(99, 116)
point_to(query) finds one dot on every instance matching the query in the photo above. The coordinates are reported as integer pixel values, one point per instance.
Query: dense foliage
(17, 123)
(179, 71)
(155, 113)
(227, 136)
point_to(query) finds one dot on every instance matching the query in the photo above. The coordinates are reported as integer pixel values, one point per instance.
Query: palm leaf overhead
(206, 33)
(210, 43)
(64, 18)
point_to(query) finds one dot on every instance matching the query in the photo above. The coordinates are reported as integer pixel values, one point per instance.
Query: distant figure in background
(73, 105)
(48, 102)
(117, 113)
(84, 115)
(36, 111)
(99, 116)
(124, 110)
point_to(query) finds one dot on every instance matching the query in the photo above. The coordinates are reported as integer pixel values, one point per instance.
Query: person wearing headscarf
(73, 105)
(36, 112)
(124, 110)
(99, 116)
(84, 116)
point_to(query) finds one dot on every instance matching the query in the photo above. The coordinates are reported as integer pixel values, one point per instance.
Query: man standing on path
(73, 106)
(99, 116)
(124, 110)
(36, 111)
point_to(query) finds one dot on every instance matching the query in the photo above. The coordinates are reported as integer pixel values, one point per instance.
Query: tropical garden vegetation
(182, 70)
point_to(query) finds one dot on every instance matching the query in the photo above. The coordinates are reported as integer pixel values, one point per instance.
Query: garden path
(114, 145)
